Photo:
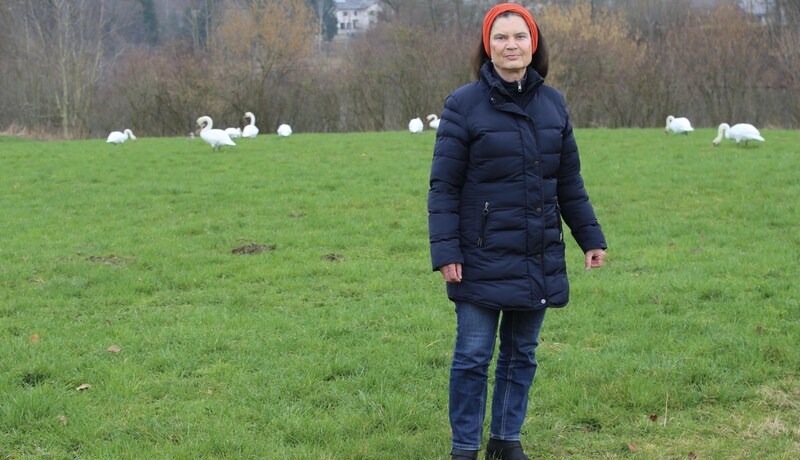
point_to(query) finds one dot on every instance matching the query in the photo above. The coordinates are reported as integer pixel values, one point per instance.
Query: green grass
(335, 342)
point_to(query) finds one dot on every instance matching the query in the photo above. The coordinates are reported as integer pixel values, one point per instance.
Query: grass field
(275, 301)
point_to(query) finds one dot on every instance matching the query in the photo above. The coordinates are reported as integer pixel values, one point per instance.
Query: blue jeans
(516, 366)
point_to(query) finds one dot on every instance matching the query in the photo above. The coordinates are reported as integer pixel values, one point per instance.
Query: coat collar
(498, 95)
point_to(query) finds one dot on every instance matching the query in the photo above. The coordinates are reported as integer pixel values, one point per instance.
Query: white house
(757, 7)
(754, 7)
(356, 16)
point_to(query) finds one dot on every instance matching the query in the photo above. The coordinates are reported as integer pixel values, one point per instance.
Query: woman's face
(511, 46)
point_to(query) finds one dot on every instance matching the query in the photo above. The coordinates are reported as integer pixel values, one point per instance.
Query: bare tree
(60, 45)
(398, 72)
(721, 58)
(781, 13)
(437, 14)
(161, 92)
(260, 51)
(652, 19)
(81, 67)
(598, 64)
(787, 54)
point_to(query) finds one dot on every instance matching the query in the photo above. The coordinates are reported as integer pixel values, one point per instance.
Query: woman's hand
(595, 258)
(451, 272)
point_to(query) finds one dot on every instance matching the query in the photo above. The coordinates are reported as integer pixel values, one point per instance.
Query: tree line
(81, 68)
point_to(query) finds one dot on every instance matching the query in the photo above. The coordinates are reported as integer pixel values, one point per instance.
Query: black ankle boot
(504, 450)
(459, 454)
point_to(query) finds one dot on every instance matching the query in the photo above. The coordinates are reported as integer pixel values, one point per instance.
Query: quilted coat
(503, 176)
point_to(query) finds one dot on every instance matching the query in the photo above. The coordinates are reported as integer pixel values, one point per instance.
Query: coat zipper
(560, 227)
(483, 223)
(519, 86)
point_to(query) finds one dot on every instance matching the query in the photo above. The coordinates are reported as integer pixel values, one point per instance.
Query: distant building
(758, 8)
(762, 9)
(755, 7)
(355, 16)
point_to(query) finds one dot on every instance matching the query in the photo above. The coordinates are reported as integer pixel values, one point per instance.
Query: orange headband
(496, 11)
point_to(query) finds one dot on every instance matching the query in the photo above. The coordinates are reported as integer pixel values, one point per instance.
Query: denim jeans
(516, 366)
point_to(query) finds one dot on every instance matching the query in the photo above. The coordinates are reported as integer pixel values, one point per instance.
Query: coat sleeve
(573, 200)
(448, 169)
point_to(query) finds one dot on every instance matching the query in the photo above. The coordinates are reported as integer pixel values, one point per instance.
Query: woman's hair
(540, 61)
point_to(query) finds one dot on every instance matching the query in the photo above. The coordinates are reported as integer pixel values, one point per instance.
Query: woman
(505, 171)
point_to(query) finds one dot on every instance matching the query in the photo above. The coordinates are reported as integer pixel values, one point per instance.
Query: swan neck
(722, 130)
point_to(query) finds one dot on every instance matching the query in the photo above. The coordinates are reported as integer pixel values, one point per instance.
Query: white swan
(216, 138)
(433, 121)
(284, 130)
(415, 126)
(678, 125)
(117, 137)
(738, 132)
(233, 133)
(250, 130)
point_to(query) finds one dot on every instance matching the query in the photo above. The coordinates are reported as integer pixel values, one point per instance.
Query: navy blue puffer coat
(502, 178)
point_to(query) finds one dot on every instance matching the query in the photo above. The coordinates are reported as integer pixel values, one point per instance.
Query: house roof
(354, 4)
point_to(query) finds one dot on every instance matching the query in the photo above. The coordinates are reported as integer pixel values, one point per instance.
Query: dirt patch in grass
(110, 260)
(252, 248)
(333, 257)
(33, 378)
